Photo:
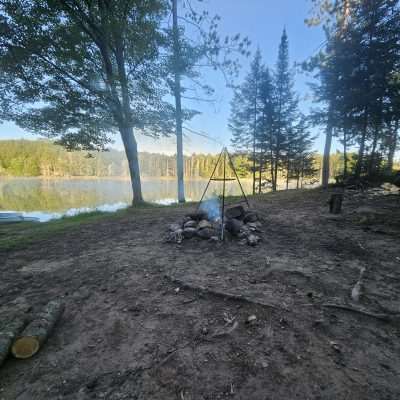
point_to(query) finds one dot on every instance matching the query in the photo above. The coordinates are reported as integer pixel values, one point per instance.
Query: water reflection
(52, 198)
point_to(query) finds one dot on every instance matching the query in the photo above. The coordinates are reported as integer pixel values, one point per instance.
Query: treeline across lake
(25, 158)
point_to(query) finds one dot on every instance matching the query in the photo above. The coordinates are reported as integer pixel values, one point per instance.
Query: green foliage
(43, 158)
(266, 124)
(359, 88)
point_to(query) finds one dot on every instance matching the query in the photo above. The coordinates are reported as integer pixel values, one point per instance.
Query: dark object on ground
(8, 335)
(188, 233)
(234, 226)
(250, 216)
(235, 212)
(37, 332)
(206, 233)
(335, 203)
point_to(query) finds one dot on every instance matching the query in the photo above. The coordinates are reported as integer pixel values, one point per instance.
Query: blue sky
(262, 21)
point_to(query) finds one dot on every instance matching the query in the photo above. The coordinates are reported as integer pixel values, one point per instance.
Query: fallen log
(36, 333)
(8, 335)
(362, 311)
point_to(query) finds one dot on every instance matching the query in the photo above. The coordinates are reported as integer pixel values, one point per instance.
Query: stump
(36, 333)
(8, 335)
(335, 203)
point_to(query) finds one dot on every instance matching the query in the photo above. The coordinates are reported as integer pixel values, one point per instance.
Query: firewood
(8, 335)
(36, 333)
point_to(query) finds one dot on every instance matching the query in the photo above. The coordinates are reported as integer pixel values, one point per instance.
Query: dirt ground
(129, 333)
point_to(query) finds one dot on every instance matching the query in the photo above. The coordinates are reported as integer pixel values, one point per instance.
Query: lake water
(52, 198)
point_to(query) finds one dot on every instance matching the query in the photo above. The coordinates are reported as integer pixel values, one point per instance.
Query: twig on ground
(224, 295)
(381, 317)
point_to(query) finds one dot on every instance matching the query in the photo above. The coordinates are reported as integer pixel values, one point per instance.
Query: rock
(214, 239)
(174, 227)
(234, 226)
(198, 215)
(250, 216)
(190, 224)
(252, 240)
(188, 233)
(251, 319)
(206, 233)
(235, 212)
(204, 224)
(253, 226)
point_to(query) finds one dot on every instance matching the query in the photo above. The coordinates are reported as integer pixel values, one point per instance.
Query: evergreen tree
(285, 112)
(245, 112)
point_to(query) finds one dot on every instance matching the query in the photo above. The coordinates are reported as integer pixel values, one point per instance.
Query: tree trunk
(178, 104)
(327, 152)
(131, 152)
(287, 173)
(260, 174)
(37, 332)
(392, 147)
(362, 147)
(345, 153)
(8, 335)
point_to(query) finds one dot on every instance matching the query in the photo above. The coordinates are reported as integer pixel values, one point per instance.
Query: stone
(206, 233)
(174, 227)
(250, 216)
(235, 212)
(252, 240)
(188, 233)
(204, 224)
(234, 226)
(190, 224)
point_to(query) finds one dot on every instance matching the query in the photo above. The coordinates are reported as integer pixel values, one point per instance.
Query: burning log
(8, 335)
(37, 332)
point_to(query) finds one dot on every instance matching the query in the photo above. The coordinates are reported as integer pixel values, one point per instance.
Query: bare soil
(151, 320)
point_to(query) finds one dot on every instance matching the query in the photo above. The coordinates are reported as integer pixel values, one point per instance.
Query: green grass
(17, 235)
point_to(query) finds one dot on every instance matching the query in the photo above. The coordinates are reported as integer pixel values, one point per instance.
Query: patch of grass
(17, 235)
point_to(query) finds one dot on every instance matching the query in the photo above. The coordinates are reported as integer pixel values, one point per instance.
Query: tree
(245, 112)
(357, 81)
(77, 70)
(189, 53)
(286, 108)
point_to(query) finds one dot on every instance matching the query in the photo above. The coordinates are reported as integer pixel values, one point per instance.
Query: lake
(53, 198)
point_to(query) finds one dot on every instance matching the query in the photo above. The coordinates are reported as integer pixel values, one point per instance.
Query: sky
(262, 21)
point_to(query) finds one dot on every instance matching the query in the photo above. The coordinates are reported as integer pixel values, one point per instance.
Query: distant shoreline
(114, 178)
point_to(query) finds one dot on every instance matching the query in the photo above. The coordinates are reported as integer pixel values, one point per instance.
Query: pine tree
(245, 111)
(286, 110)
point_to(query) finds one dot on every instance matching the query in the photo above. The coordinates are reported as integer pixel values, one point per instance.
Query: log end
(25, 347)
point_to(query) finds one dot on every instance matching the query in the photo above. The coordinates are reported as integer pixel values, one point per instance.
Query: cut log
(37, 332)
(8, 335)
(335, 203)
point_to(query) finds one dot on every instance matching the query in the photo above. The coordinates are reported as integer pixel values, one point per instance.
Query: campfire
(207, 224)
(213, 220)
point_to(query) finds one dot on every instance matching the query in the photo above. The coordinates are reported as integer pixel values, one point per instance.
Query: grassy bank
(17, 235)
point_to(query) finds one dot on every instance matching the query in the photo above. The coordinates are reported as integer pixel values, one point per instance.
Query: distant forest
(43, 158)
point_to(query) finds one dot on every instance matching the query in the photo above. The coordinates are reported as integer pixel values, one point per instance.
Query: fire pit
(213, 219)
(239, 224)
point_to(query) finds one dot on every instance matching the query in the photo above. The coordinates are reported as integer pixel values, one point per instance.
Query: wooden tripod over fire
(224, 157)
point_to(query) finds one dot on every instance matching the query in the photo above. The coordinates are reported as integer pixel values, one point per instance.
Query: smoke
(212, 207)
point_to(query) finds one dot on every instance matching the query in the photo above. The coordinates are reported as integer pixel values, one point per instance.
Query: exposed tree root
(223, 295)
(381, 317)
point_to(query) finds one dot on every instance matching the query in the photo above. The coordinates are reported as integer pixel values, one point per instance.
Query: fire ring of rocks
(240, 224)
